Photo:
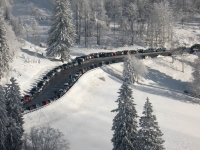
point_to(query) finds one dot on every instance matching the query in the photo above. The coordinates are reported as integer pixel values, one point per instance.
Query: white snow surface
(84, 113)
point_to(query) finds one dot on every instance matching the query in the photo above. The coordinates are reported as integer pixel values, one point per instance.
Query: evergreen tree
(61, 33)
(125, 123)
(14, 112)
(149, 136)
(4, 49)
(128, 72)
(3, 119)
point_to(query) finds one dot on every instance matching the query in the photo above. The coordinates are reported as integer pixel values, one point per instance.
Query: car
(27, 98)
(95, 65)
(126, 52)
(133, 51)
(34, 91)
(96, 55)
(195, 47)
(113, 61)
(82, 70)
(109, 54)
(70, 64)
(114, 54)
(107, 63)
(101, 63)
(46, 78)
(102, 54)
(65, 66)
(80, 61)
(34, 106)
(45, 102)
(41, 83)
(149, 50)
(91, 55)
(66, 84)
(75, 63)
(161, 49)
(140, 51)
(85, 57)
(119, 53)
(92, 66)
(76, 76)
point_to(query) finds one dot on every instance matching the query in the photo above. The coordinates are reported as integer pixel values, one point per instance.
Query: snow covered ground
(86, 119)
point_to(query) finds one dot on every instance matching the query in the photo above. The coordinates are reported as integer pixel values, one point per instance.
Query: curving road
(57, 82)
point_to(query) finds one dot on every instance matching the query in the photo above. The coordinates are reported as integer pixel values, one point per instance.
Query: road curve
(57, 82)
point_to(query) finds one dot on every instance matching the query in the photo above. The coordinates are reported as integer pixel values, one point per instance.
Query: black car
(119, 53)
(195, 47)
(96, 55)
(80, 61)
(109, 54)
(101, 63)
(65, 66)
(82, 70)
(92, 66)
(140, 51)
(107, 63)
(113, 61)
(133, 51)
(102, 54)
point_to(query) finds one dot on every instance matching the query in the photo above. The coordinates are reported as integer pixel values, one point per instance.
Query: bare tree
(44, 138)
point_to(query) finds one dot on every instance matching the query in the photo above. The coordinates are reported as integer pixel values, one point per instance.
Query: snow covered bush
(44, 138)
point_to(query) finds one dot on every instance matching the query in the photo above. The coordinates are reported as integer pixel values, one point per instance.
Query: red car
(27, 98)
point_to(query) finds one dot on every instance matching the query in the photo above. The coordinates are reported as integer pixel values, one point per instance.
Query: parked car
(92, 66)
(102, 54)
(109, 54)
(95, 65)
(86, 57)
(96, 55)
(101, 63)
(126, 52)
(195, 47)
(34, 91)
(149, 50)
(80, 61)
(113, 61)
(34, 106)
(70, 64)
(76, 76)
(75, 63)
(46, 78)
(161, 49)
(27, 98)
(133, 51)
(65, 66)
(120, 53)
(91, 55)
(82, 70)
(45, 102)
(140, 51)
(107, 63)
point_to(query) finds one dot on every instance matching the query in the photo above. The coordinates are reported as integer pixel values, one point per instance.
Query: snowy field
(86, 119)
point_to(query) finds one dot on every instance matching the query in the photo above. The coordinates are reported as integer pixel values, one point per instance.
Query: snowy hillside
(87, 119)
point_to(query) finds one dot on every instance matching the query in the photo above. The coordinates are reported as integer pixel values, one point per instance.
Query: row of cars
(77, 61)
(66, 86)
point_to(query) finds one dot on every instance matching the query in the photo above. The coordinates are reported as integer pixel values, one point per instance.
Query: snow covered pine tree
(62, 32)
(3, 119)
(128, 72)
(125, 123)
(149, 136)
(14, 112)
(4, 49)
